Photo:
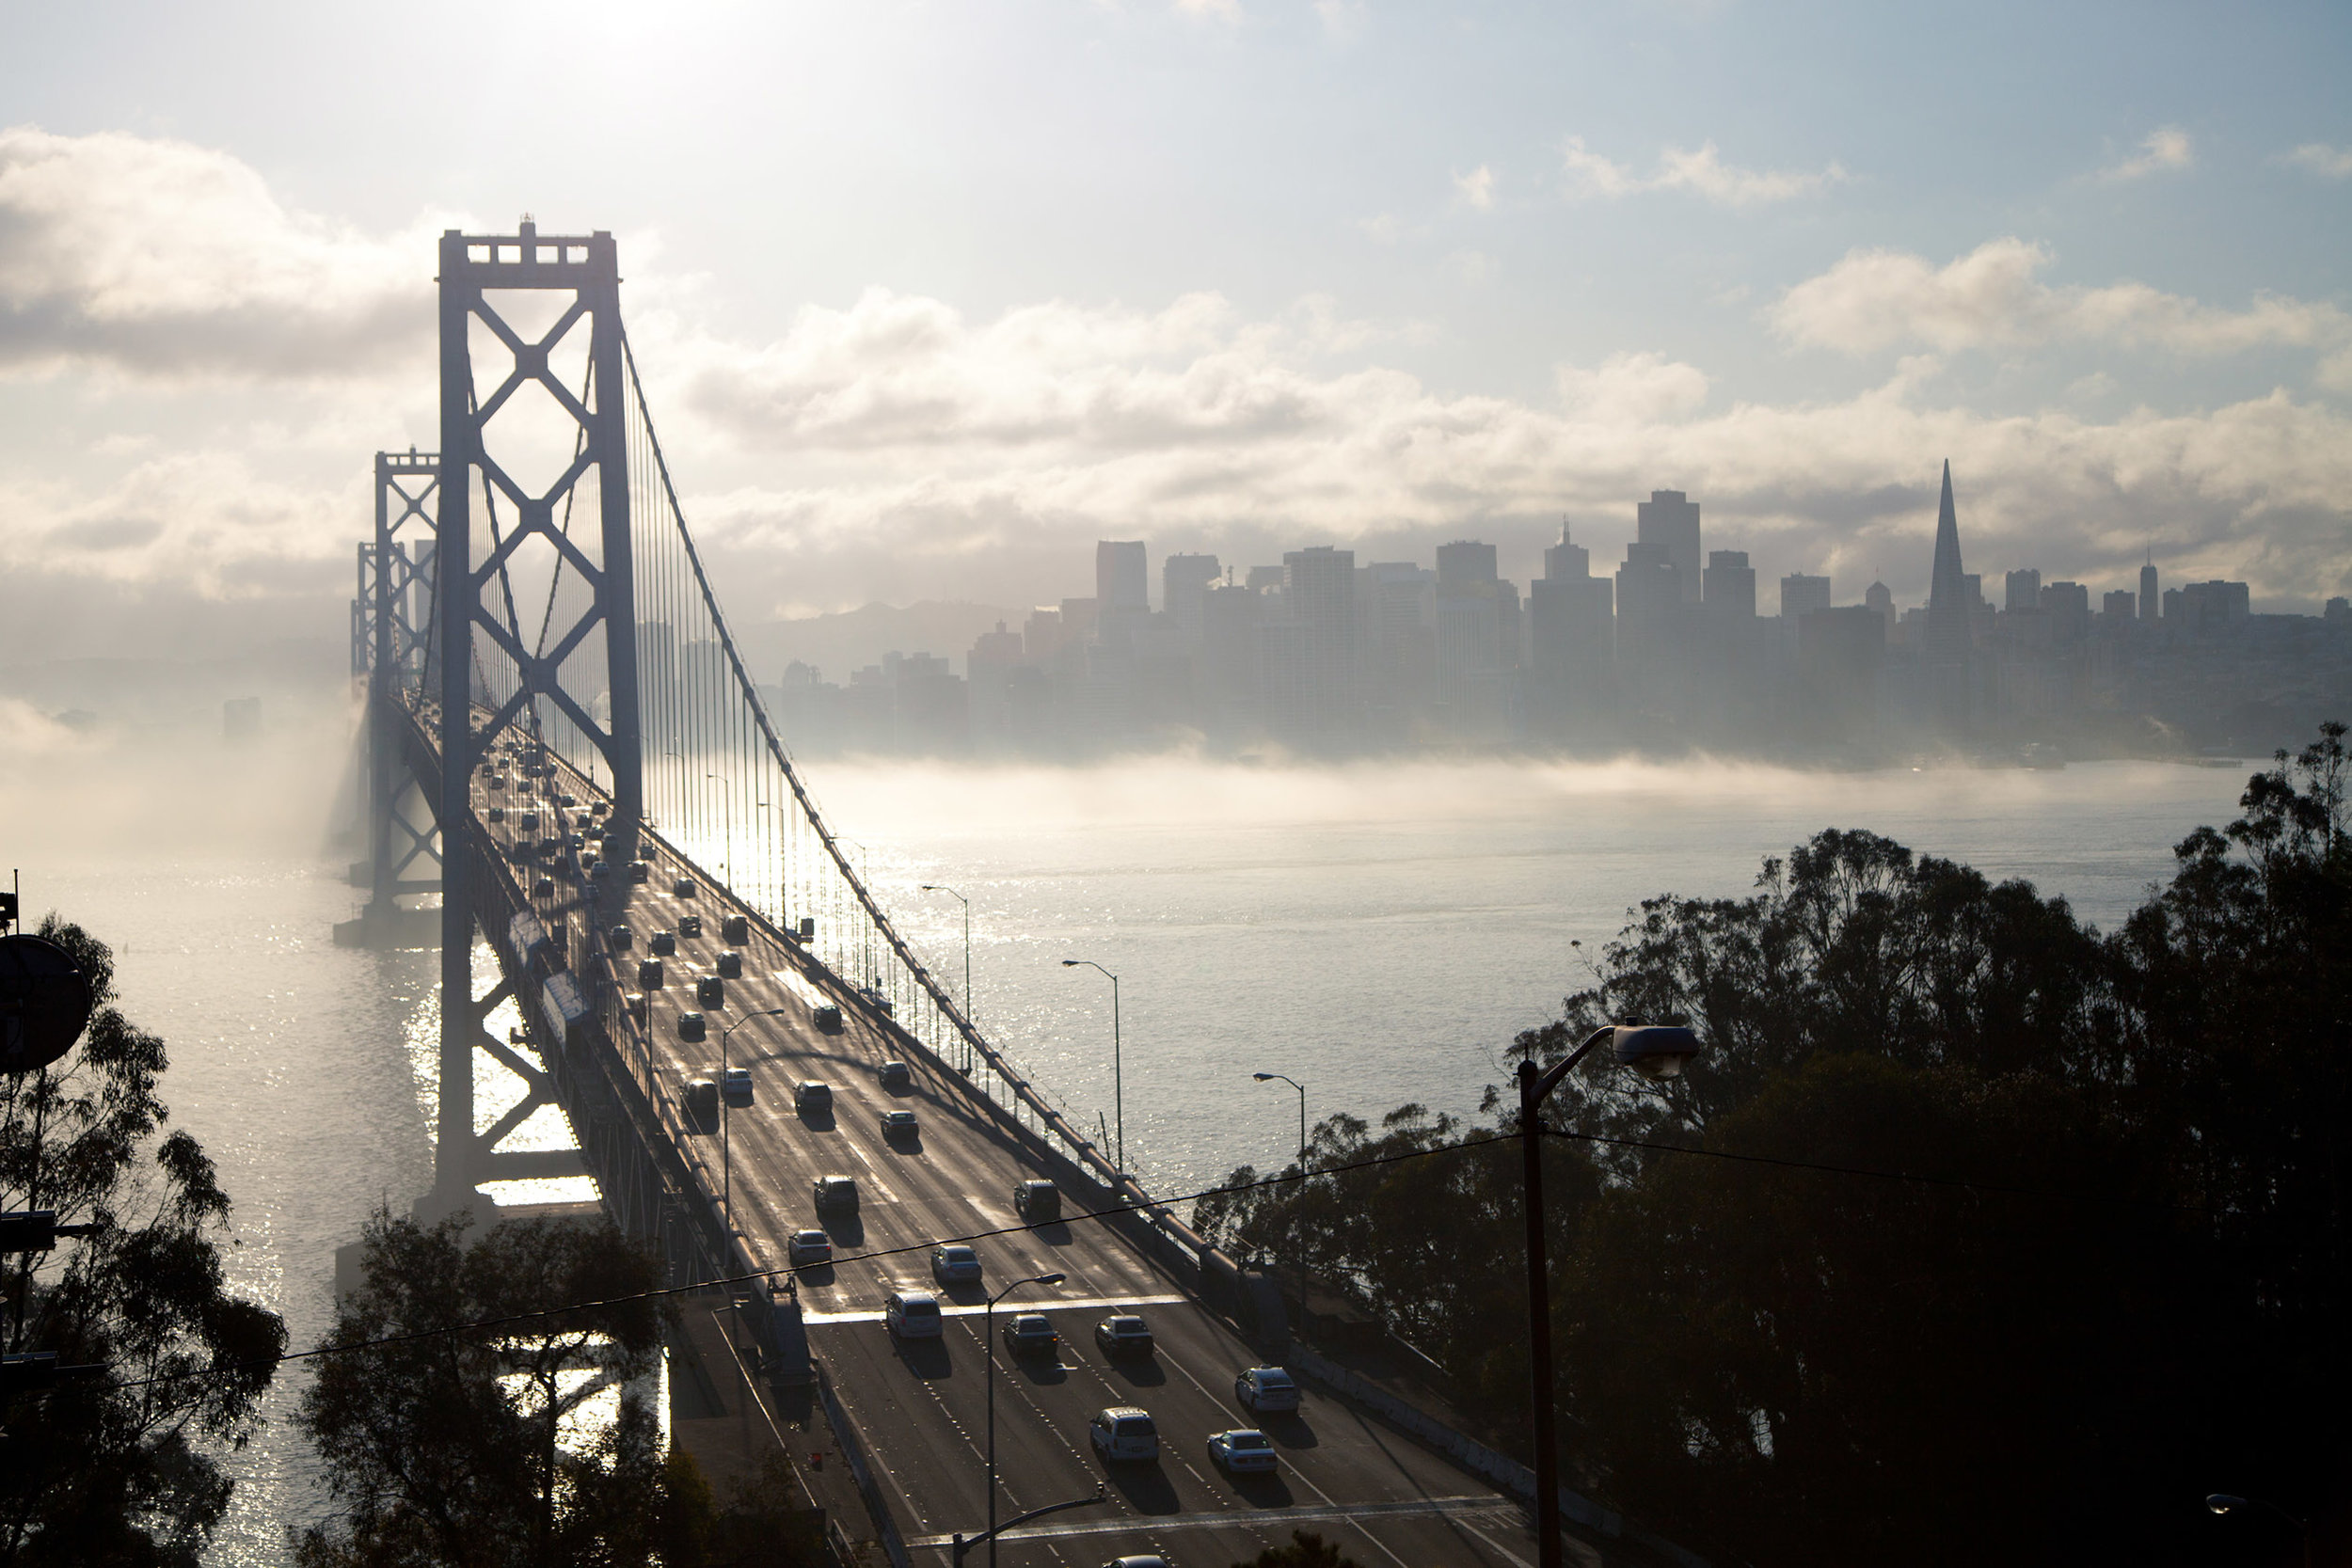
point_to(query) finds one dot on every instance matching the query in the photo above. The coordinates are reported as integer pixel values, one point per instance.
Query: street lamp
(988, 1343)
(727, 1167)
(935, 887)
(2223, 1503)
(1655, 1052)
(1269, 1078)
(727, 865)
(1119, 1110)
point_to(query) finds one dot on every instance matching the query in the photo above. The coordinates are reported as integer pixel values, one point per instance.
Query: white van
(913, 1315)
(1123, 1433)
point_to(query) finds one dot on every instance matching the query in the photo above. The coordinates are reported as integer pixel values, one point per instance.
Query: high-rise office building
(1319, 597)
(2068, 608)
(2024, 589)
(1670, 520)
(1880, 599)
(1800, 595)
(1949, 600)
(1566, 559)
(1466, 561)
(2150, 602)
(1728, 591)
(1120, 581)
(1184, 581)
(1571, 630)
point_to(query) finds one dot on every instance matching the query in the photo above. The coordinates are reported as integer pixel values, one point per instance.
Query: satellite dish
(44, 1003)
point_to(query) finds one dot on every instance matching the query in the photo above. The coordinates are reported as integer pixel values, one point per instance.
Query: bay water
(1379, 931)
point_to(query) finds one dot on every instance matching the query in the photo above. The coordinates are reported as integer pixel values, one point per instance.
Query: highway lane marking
(1082, 1303)
(801, 988)
(1292, 1469)
(1246, 1517)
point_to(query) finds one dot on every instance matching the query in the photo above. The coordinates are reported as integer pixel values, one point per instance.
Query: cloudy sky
(931, 296)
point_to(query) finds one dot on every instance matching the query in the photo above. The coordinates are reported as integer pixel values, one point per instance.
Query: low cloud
(164, 259)
(1701, 172)
(1477, 187)
(1994, 297)
(2161, 152)
(2328, 163)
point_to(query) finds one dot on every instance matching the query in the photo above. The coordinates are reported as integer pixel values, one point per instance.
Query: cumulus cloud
(1701, 171)
(1477, 187)
(2160, 152)
(1343, 20)
(1994, 297)
(164, 259)
(897, 448)
(1002, 448)
(2328, 163)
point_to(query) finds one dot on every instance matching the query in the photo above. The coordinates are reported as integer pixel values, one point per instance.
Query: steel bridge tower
(483, 678)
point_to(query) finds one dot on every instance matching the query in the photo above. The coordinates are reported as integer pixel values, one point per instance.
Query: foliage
(2118, 1287)
(443, 1447)
(123, 1467)
(1306, 1550)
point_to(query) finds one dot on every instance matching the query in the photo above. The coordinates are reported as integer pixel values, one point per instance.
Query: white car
(1123, 1433)
(1264, 1389)
(1241, 1452)
(913, 1315)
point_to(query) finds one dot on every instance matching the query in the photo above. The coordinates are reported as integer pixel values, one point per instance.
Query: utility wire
(2003, 1188)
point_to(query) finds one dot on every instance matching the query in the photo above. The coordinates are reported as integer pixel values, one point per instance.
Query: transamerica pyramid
(1947, 591)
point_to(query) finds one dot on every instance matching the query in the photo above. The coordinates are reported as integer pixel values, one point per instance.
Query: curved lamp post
(2223, 1503)
(1286, 1078)
(727, 1166)
(988, 1344)
(1119, 1112)
(936, 887)
(1655, 1052)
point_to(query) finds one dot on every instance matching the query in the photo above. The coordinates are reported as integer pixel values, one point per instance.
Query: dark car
(701, 1100)
(895, 1076)
(691, 1028)
(1031, 1334)
(730, 966)
(662, 942)
(683, 887)
(834, 1195)
(689, 925)
(829, 1019)
(811, 1097)
(711, 991)
(1123, 1334)
(1037, 1202)
(649, 974)
(735, 929)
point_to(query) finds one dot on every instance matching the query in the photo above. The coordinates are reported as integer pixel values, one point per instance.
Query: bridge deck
(920, 1407)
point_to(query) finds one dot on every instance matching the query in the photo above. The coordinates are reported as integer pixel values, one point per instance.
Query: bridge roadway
(919, 1407)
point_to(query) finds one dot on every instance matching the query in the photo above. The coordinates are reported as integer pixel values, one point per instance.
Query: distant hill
(842, 641)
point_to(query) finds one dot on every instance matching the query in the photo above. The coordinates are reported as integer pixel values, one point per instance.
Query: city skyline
(936, 313)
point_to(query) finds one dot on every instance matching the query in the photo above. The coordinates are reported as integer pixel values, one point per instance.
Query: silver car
(1241, 1452)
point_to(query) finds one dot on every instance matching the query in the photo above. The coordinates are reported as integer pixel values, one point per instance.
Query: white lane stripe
(793, 981)
(1148, 1524)
(1049, 1304)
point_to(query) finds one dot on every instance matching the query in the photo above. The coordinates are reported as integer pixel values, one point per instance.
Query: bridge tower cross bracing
(396, 574)
(482, 675)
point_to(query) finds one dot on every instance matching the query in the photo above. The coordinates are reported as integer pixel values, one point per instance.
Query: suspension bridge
(575, 790)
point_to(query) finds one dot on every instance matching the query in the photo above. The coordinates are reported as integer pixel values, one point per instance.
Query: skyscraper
(1670, 520)
(1800, 595)
(1947, 593)
(1122, 593)
(1184, 588)
(2150, 602)
(1319, 594)
(1728, 593)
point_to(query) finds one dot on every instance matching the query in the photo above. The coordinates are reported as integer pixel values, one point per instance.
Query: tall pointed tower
(1947, 593)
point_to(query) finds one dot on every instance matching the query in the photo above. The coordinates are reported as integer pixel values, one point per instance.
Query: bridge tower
(487, 672)
(389, 619)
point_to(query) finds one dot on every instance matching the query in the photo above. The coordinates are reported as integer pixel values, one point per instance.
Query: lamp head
(1070, 963)
(1051, 1278)
(1656, 1051)
(2221, 1502)
(1263, 1077)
